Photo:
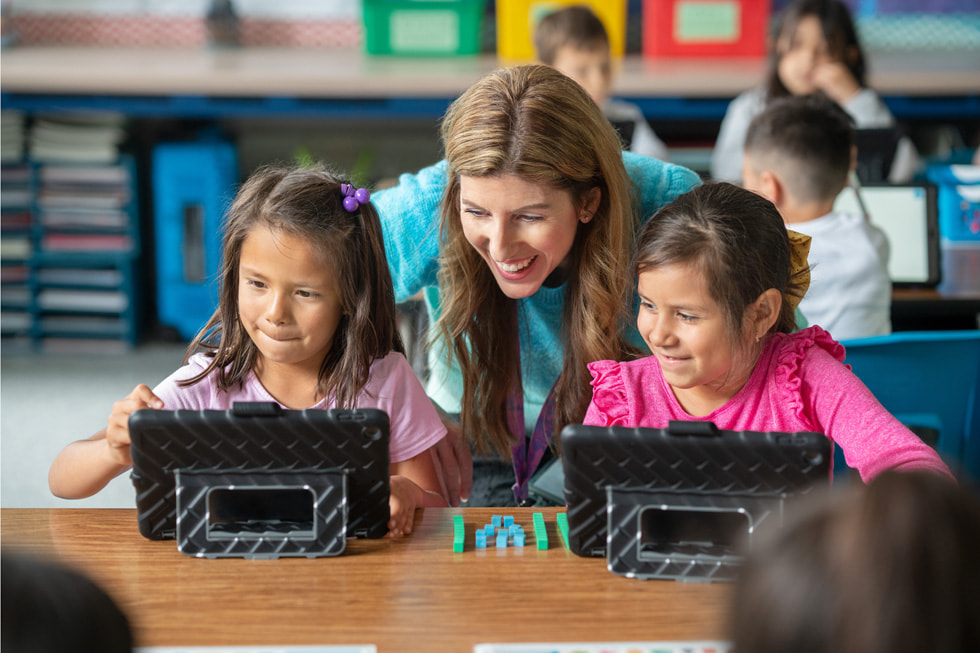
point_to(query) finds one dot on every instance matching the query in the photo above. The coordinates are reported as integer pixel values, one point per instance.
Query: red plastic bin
(705, 28)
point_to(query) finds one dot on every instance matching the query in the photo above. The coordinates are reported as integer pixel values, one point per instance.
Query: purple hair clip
(354, 198)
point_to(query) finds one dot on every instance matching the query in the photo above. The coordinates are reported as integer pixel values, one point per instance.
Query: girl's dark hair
(838, 28)
(307, 203)
(736, 238)
(48, 607)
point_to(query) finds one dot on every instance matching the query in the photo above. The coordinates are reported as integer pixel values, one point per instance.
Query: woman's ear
(763, 313)
(591, 204)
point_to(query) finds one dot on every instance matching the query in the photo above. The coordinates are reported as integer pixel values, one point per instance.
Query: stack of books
(82, 208)
(15, 252)
(77, 137)
(11, 136)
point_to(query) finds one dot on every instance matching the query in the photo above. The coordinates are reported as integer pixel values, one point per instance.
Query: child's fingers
(145, 398)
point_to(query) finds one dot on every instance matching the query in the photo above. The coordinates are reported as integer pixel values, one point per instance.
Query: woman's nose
(499, 238)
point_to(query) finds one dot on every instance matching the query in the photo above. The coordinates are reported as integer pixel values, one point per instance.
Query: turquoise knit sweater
(410, 220)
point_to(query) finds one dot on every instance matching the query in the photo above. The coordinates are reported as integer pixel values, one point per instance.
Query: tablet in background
(908, 214)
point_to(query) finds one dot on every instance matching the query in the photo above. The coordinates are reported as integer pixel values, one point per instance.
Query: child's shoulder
(791, 352)
(610, 373)
(390, 362)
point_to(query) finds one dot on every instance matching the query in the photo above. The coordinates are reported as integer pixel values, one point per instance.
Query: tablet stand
(686, 537)
(261, 513)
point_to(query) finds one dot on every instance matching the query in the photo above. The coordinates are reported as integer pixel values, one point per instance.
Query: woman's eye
(306, 293)
(647, 306)
(254, 284)
(686, 318)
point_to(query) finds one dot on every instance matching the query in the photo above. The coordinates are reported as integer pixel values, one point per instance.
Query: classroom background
(126, 125)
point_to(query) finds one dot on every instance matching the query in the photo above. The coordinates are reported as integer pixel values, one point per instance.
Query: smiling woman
(519, 242)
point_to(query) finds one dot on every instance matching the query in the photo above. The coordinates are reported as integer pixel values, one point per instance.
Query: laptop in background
(909, 216)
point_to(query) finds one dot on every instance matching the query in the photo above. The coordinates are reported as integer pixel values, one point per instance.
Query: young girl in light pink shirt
(306, 319)
(718, 282)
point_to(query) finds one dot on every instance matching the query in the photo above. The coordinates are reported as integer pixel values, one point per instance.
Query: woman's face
(523, 230)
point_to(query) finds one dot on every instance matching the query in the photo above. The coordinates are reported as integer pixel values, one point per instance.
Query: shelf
(345, 84)
(73, 280)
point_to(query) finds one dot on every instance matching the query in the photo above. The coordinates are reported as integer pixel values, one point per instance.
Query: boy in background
(574, 41)
(798, 153)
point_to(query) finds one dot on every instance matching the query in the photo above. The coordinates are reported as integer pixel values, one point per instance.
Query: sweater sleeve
(841, 406)
(657, 182)
(410, 214)
(610, 404)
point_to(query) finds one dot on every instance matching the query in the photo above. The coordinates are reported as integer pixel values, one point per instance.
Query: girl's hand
(405, 497)
(835, 79)
(117, 432)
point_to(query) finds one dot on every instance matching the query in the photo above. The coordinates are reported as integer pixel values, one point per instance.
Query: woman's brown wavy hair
(307, 203)
(537, 124)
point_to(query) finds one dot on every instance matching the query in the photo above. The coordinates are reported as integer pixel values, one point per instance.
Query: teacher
(520, 244)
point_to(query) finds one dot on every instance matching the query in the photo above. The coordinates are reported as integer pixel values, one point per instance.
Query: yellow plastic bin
(423, 28)
(516, 20)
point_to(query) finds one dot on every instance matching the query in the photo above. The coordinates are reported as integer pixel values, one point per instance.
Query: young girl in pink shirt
(718, 282)
(306, 319)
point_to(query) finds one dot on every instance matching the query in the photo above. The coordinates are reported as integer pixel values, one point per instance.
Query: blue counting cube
(509, 520)
(502, 540)
(495, 520)
(481, 540)
(519, 539)
(489, 530)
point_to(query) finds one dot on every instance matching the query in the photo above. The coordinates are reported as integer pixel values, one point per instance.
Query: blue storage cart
(193, 184)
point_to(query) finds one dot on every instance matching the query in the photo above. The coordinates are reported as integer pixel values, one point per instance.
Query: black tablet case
(688, 459)
(266, 439)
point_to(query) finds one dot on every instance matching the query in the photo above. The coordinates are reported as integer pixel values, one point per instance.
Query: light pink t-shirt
(392, 387)
(799, 384)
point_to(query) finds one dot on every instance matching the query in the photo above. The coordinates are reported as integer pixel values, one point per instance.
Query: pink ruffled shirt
(799, 384)
(392, 386)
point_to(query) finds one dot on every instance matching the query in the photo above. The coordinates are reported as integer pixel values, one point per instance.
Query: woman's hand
(453, 462)
(117, 432)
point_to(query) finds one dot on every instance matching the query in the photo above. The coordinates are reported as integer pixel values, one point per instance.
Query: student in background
(815, 48)
(718, 282)
(890, 567)
(798, 155)
(306, 318)
(574, 41)
(519, 243)
(46, 607)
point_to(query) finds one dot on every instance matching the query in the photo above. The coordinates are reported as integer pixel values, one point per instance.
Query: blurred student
(890, 567)
(798, 155)
(815, 48)
(49, 608)
(574, 41)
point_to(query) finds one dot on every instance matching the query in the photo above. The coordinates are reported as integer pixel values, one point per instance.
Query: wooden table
(412, 594)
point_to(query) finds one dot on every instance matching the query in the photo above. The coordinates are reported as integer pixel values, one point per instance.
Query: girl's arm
(413, 485)
(872, 439)
(86, 466)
